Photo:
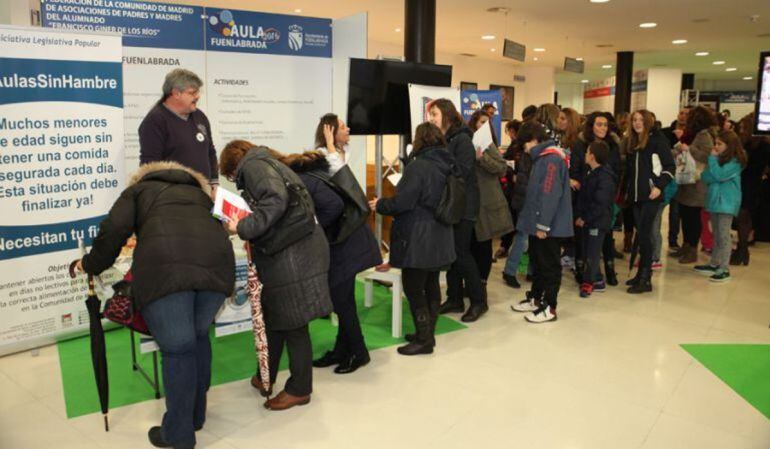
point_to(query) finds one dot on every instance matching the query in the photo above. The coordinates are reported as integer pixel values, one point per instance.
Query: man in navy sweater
(176, 130)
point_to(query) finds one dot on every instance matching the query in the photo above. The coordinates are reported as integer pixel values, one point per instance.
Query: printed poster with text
(157, 38)
(61, 169)
(473, 100)
(282, 83)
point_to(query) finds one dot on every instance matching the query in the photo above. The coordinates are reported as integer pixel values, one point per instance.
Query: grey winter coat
(548, 206)
(295, 280)
(694, 195)
(494, 217)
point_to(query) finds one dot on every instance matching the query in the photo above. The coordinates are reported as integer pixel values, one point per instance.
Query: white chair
(394, 277)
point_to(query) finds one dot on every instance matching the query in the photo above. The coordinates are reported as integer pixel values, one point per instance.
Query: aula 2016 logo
(295, 37)
(224, 24)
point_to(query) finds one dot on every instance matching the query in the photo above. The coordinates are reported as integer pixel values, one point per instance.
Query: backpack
(451, 207)
(296, 223)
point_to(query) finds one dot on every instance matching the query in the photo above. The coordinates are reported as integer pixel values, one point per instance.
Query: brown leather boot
(677, 252)
(256, 382)
(285, 401)
(689, 255)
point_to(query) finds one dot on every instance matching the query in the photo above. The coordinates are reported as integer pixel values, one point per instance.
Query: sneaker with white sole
(600, 286)
(541, 315)
(657, 265)
(706, 269)
(720, 277)
(525, 305)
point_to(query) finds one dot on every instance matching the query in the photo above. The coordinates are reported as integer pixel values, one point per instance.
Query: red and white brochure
(229, 205)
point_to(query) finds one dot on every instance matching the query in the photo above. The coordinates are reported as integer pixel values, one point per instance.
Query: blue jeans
(180, 324)
(519, 246)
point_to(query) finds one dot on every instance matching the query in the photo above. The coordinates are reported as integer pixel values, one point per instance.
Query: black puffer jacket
(578, 169)
(179, 245)
(295, 289)
(595, 198)
(460, 145)
(360, 250)
(650, 166)
(417, 240)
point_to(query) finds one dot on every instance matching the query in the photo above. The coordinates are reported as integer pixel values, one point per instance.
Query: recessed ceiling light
(536, 59)
(748, 78)
(578, 59)
(584, 81)
(397, 30)
(679, 41)
(648, 25)
(599, 1)
(702, 53)
(298, 10)
(607, 66)
(539, 50)
(731, 69)
(488, 37)
(719, 63)
(492, 49)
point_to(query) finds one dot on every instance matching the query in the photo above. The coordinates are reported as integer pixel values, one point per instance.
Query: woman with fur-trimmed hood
(183, 269)
(350, 254)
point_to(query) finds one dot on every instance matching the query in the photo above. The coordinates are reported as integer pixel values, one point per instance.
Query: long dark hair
(734, 148)
(427, 135)
(473, 122)
(532, 130)
(327, 119)
(700, 118)
(450, 118)
(588, 126)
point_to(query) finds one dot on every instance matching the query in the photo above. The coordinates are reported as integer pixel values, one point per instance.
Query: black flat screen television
(378, 93)
(762, 108)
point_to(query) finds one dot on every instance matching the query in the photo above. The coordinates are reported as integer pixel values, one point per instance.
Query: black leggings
(745, 225)
(421, 287)
(482, 254)
(691, 224)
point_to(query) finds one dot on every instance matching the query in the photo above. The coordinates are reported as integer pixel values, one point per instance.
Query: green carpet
(234, 357)
(744, 368)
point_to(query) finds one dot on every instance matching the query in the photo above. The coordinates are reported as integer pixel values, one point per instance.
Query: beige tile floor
(609, 374)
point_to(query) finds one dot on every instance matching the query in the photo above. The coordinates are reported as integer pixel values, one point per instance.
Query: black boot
(424, 341)
(511, 281)
(477, 308)
(452, 306)
(609, 273)
(645, 282)
(634, 280)
(433, 312)
(740, 256)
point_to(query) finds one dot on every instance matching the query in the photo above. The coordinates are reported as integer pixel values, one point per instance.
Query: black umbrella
(98, 349)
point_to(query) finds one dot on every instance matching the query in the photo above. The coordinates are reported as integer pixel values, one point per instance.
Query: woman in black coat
(758, 151)
(349, 256)
(597, 128)
(419, 244)
(649, 168)
(464, 270)
(295, 278)
(183, 268)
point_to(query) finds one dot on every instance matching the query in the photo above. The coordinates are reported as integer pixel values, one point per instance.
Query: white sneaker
(524, 306)
(543, 315)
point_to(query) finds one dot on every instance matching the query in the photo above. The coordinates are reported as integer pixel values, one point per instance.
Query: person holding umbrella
(291, 255)
(183, 269)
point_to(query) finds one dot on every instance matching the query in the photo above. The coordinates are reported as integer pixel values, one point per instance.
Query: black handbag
(296, 223)
(356, 207)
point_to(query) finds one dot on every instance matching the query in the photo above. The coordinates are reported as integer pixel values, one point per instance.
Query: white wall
(571, 95)
(663, 93)
(15, 12)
